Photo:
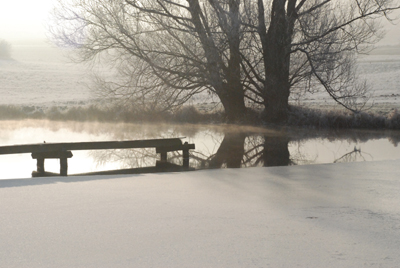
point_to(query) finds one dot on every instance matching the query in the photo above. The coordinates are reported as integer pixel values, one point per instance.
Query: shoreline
(382, 116)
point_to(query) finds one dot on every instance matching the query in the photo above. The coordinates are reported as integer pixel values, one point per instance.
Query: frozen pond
(216, 146)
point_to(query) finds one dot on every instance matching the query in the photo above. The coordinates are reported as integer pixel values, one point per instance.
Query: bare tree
(306, 44)
(164, 51)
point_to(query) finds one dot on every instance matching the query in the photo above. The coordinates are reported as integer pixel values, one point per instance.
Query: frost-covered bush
(393, 119)
(5, 50)
(343, 119)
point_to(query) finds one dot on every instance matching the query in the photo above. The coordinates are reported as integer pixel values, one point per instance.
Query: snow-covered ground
(337, 215)
(381, 70)
(40, 75)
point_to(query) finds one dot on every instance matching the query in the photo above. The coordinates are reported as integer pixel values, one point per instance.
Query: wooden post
(163, 156)
(64, 166)
(62, 155)
(40, 165)
(185, 155)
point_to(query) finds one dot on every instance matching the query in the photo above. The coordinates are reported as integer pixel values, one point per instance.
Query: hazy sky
(23, 19)
(26, 19)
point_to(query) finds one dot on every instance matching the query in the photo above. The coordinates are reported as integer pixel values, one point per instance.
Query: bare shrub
(393, 119)
(300, 116)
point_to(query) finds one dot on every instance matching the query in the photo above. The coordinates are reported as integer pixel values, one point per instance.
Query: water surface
(216, 146)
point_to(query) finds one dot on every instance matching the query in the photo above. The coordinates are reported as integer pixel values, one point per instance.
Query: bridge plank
(99, 145)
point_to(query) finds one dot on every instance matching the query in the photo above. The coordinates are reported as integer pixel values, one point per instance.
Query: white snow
(337, 215)
(381, 71)
(41, 75)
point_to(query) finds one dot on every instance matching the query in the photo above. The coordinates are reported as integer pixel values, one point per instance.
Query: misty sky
(25, 20)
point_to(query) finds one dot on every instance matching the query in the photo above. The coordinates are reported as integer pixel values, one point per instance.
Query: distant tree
(254, 53)
(5, 50)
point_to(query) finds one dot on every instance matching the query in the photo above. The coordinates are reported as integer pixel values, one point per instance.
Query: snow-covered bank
(342, 215)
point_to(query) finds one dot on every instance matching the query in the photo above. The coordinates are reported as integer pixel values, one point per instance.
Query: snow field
(342, 215)
(42, 76)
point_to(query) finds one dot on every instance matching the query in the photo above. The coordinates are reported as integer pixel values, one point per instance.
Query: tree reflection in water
(230, 152)
(353, 156)
(235, 147)
(132, 158)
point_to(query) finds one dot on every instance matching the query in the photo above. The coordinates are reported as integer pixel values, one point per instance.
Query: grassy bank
(298, 116)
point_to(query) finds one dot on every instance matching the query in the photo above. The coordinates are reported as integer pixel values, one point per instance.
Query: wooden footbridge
(62, 151)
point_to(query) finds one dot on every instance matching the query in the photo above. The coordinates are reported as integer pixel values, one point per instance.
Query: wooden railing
(62, 151)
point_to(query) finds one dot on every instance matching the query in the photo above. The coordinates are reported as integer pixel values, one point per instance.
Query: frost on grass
(343, 119)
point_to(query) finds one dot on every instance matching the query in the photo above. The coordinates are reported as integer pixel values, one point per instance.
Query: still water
(216, 146)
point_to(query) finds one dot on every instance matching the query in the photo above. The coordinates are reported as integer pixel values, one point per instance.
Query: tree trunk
(224, 78)
(232, 98)
(235, 109)
(277, 86)
(276, 97)
(276, 43)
